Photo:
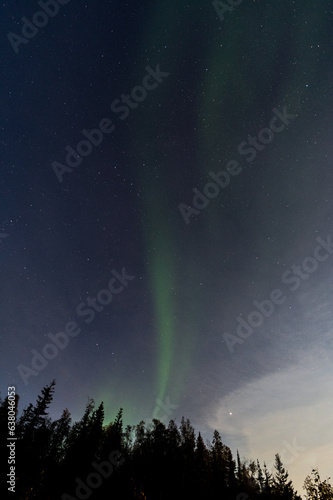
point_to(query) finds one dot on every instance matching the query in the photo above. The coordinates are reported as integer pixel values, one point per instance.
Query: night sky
(166, 231)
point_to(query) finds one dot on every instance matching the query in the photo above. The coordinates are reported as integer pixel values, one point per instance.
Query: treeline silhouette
(152, 461)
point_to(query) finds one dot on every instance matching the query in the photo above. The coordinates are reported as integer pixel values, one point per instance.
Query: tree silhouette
(34, 437)
(88, 459)
(282, 487)
(316, 489)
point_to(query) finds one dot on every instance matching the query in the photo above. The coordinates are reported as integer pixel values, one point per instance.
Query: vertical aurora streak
(162, 270)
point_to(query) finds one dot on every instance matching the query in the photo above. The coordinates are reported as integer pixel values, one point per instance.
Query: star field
(193, 155)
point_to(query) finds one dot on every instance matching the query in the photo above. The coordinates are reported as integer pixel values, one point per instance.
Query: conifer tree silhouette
(155, 461)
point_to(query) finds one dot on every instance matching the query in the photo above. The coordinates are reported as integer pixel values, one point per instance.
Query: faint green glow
(162, 271)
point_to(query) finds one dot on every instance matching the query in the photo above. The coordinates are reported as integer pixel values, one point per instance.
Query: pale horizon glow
(290, 412)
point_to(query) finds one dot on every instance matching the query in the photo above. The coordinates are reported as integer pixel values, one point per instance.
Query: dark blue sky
(165, 170)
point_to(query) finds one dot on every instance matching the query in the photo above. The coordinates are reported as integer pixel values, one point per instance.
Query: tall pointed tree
(282, 487)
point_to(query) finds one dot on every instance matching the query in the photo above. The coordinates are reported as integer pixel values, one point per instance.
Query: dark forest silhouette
(152, 461)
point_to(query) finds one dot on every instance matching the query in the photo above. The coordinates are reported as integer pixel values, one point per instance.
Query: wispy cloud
(288, 412)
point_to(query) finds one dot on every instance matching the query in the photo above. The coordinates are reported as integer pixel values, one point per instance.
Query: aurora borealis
(158, 348)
